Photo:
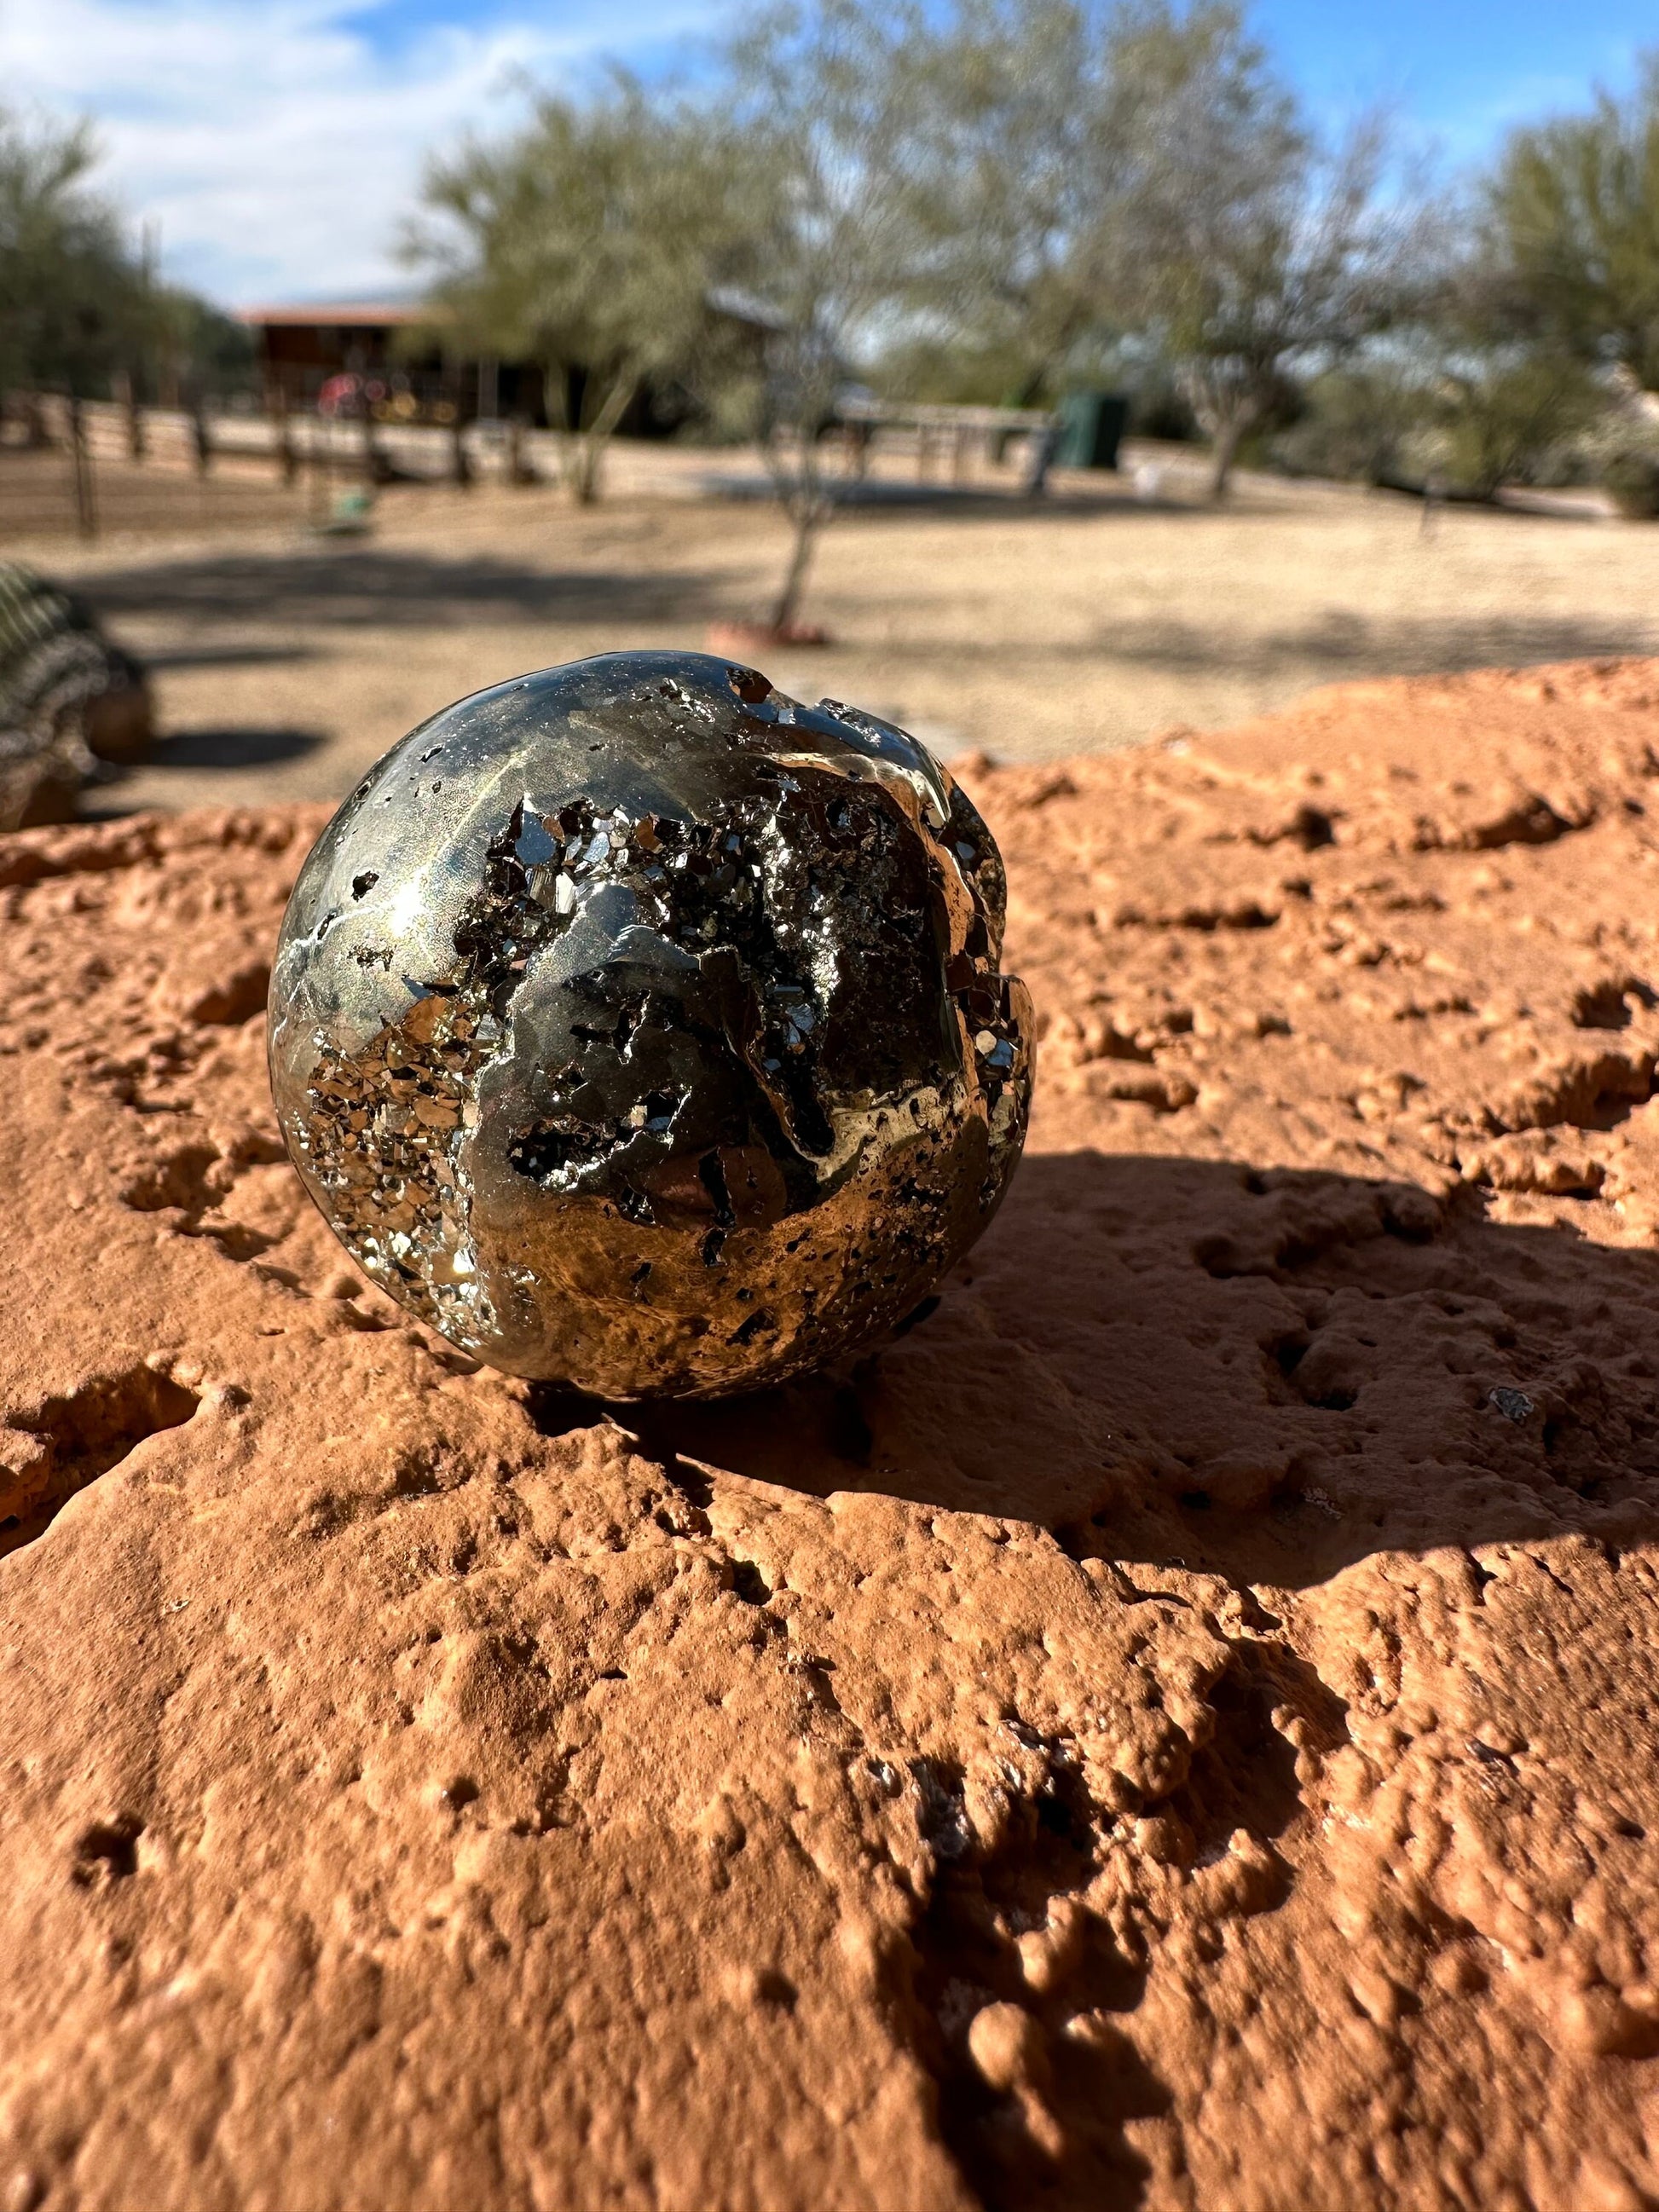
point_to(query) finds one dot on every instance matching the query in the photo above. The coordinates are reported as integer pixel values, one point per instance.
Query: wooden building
(304, 352)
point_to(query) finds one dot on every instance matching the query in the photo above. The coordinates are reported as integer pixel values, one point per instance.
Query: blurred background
(1044, 374)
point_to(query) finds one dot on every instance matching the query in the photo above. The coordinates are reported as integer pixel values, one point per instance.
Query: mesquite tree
(818, 137)
(1571, 229)
(585, 243)
(1026, 135)
(1081, 171)
(1262, 252)
(72, 297)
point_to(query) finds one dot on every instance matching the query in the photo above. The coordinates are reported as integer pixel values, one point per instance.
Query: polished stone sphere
(642, 1030)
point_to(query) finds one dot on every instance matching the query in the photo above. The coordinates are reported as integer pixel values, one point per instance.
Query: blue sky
(278, 142)
(1462, 71)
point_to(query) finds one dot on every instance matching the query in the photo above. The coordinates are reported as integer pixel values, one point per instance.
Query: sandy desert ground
(286, 662)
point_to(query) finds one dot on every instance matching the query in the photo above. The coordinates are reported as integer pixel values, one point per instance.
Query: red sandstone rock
(1177, 1729)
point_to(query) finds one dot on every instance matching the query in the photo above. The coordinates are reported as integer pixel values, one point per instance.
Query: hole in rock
(1604, 1007)
(712, 1170)
(107, 1852)
(178, 1178)
(749, 1582)
(236, 999)
(69, 1441)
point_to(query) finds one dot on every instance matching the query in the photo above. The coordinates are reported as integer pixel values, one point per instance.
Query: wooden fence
(303, 448)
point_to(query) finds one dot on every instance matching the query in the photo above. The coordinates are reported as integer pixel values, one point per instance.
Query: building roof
(339, 315)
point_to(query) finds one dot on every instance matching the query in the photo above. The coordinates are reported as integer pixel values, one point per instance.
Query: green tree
(74, 304)
(818, 142)
(1052, 135)
(1018, 182)
(77, 304)
(1261, 253)
(1088, 172)
(190, 344)
(1503, 409)
(585, 244)
(1572, 229)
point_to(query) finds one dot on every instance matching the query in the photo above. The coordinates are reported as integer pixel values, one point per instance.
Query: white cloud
(277, 142)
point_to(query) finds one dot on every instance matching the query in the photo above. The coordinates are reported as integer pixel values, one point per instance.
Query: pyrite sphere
(641, 1028)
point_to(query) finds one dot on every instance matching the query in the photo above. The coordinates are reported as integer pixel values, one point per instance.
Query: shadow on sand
(1345, 643)
(1264, 1374)
(234, 747)
(338, 587)
(1336, 648)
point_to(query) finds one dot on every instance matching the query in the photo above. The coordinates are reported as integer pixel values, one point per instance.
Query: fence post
(372, 467)
(461, 465)
(128, 397)
(86, 493)
(287, 460)
(521, 469)
(320, 448)
(201, 436)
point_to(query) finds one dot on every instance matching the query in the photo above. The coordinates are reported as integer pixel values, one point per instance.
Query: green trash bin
(1092, 425)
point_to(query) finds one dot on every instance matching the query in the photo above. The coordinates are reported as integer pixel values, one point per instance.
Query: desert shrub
(1355, 424)
(1629, 467)
(1506, 415)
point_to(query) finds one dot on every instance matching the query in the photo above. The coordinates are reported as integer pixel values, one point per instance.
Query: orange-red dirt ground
(1178, 1729)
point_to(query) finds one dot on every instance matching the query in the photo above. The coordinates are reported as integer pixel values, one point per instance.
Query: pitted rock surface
(1178, 1729)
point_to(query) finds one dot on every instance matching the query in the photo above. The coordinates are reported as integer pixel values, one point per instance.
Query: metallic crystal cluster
(642, 1030)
